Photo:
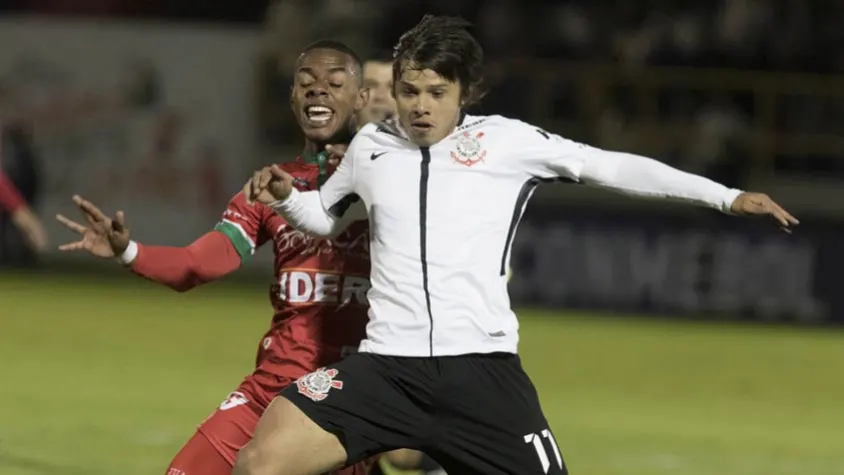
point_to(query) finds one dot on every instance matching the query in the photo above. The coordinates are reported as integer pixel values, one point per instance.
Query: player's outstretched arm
(641, 176)
(548, 155)
(181, 268)
(22, 216)
(320, 213)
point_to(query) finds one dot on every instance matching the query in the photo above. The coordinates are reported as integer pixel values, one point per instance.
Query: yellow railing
(593, 85)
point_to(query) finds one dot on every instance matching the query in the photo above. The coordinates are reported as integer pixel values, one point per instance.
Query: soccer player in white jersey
(444, 191)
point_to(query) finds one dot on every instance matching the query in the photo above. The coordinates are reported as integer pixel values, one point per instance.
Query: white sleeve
(320, 213)
(547, 155)
(640, 176)
(550, 156)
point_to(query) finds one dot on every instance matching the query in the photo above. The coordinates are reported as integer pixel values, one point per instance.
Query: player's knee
(253, 460)
(404, 459)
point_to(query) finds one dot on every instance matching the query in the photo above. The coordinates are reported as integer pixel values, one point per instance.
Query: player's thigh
(492, 422)
(287, 442)
(199, 457)
(371, 403)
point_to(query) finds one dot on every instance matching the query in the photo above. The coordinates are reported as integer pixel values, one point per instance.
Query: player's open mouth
(318, 116)
(422, 126)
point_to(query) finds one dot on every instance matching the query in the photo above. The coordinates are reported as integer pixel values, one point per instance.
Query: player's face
(428, 105)
(378, 78)
(326, 94)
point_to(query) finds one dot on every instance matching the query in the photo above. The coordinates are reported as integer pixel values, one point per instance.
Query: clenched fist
(268, 185)
(760, 204)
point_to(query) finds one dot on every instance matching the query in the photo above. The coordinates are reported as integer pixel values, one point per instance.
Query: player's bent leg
(341, 415)
(287, 442)
(199, 457)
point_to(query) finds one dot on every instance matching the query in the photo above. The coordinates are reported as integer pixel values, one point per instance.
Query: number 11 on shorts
(541, 451)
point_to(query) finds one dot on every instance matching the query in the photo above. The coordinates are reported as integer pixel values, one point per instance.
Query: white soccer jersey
(443, 219)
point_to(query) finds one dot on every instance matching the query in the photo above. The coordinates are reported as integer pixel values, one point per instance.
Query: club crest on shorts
(317, 384)
(469, 150)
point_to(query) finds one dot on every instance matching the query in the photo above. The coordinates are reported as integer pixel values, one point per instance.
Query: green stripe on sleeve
(242, 244)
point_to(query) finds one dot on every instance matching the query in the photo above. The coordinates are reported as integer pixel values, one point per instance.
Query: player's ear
(362, 99)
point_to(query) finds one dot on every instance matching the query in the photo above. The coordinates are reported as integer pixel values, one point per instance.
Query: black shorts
(474, 414)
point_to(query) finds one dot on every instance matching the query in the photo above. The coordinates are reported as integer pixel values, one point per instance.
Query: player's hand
(102, 237)
(760, 204)
(31, 228)
(268, 185)
(335, 153)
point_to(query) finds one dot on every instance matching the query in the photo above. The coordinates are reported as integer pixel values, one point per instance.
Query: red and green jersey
(319, 287)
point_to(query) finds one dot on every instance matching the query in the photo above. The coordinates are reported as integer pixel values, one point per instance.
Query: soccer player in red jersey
(319, 293)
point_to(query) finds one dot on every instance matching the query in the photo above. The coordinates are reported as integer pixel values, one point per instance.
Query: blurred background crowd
(748, 92)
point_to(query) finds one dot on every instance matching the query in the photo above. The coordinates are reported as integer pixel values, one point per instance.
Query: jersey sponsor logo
(376, 155)
(235, 399)
(348, 243)
(306, 286)
(469, 150)
(316, 385)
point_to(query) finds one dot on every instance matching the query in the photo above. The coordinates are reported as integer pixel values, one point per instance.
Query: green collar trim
(321, 160)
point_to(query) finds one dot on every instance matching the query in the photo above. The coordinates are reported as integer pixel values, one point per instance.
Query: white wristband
(729, 198)
(278, 205)
(129, 254)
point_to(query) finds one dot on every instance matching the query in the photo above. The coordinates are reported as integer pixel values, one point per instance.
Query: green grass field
(110, 376)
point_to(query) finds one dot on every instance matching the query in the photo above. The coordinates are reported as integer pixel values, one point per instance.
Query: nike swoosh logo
(376, 155)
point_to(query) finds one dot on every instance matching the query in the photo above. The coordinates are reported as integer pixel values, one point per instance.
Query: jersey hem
(368, 346)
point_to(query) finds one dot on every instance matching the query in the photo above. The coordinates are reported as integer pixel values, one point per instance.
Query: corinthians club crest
(317, 384)
(469, 150)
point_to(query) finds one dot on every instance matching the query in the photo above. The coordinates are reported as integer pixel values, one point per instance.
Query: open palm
(102, 237)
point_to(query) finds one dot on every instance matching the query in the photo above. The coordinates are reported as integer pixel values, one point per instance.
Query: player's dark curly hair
(339, 47)
(443, 44)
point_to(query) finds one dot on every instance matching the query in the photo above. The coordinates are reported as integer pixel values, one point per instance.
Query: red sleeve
(10, 199)
(245, 225)
(182, 268)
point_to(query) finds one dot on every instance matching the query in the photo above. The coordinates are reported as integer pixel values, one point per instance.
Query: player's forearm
(640, 176)
(304, 211)
(182, 268)
(10, 199)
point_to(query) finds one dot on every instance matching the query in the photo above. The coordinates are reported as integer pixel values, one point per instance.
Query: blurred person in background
(378, 79)
(319, 289)
(22, 235)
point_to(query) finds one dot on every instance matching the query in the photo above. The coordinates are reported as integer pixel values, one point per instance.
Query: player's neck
(311, 150)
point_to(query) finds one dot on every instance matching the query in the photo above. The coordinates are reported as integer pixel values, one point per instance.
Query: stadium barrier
(696, 264)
